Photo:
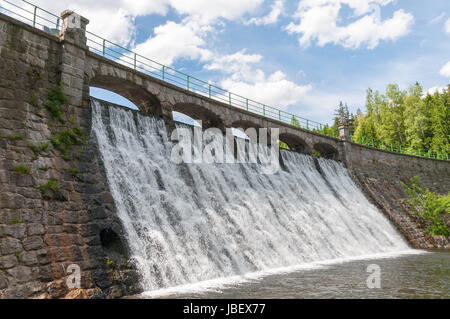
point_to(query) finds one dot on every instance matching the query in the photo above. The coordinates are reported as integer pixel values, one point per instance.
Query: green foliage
(74, 172)
(50, 185)
(432, 207)
(66, 139)
(284, 145)
(294, 121)
(406, 119)
(14, 221)
(38, 149)
(110, 264)
(34, 100)
(317, 153)
(21, 169)
(16, 137)
(55, 100)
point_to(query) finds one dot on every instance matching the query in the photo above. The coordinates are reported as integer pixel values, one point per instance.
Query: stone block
(33, 243)
(7, 262)
(35, 229)
(10, 246)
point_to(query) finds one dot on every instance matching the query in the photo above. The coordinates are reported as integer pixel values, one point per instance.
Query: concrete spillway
(187, 223)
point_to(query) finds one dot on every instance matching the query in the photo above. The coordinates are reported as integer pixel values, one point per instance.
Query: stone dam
(87, 183)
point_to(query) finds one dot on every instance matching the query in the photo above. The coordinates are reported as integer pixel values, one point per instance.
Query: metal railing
(398, 148)
(49, 22)
(32, 15)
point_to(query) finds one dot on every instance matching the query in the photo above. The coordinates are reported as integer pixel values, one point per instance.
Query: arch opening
(111, 97)
(137, 95)
(198, 113)
(326, 150)
(295, 143)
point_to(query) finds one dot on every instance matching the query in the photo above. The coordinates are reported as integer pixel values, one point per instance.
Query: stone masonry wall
(380, 175)
(55, 207)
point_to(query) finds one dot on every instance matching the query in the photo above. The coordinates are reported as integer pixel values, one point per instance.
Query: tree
(294, 121)
(406, 118)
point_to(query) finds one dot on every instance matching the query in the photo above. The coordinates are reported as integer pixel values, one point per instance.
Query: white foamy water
(190, 223)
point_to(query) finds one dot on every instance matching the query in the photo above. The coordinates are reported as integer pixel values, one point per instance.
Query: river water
(411, 275)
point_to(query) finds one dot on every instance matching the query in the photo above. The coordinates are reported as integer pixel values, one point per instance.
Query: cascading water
(188, 223)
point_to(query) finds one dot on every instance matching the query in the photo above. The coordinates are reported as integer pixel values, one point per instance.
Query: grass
(34, 100)
(55, 100)
(38, 149)
(65, 139)
(14, 221)
(51, 184)
(21, 169)
(17, 137)
(74, 172)
(110, 264)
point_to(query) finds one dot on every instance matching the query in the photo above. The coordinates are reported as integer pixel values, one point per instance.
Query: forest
(408, 121)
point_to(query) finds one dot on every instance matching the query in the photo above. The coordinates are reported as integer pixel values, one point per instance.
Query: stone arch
(295, 143)
(327, 151)
(209, 118)
(141, 97)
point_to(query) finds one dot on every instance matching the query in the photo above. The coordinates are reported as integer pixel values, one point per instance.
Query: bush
(55, 100)
(21, 169)
(432, 207)
(65, 139)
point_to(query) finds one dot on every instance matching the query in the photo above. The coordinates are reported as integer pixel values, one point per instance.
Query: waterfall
(187, 223)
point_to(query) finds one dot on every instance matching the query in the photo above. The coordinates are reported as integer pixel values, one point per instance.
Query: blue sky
(303, 56)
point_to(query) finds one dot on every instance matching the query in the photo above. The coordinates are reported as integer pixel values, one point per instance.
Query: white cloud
(447, 26)
(207, 10)
(114, 19)
(274, 90)
(176, 40)
(233, 63)
(438, 18)
(319, 22)
(445, 70)
(439, 89)
(272, 17)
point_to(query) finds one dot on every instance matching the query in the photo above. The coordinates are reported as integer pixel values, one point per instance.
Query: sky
(302, 56)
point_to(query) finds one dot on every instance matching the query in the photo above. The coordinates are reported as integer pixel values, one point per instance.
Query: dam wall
(56, 206)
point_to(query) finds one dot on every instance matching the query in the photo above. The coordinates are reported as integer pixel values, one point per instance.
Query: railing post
(163, 72)
(279, 115)
(188, 82)
(135, 61)
(307, 124)
(246, 104)
(264, 110)
(210, 91)
(229, 97)
(104, 47)
(34, 17)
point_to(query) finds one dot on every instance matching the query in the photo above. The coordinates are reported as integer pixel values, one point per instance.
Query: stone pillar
(73, 57)
(344, 145)
(344, 134)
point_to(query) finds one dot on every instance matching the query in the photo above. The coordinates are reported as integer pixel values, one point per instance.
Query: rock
(28, 258)
(21, 274)
(35, 229)
(7, 262)
(33, 243)
(16, 231)
(77, 294)
(10, 246)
